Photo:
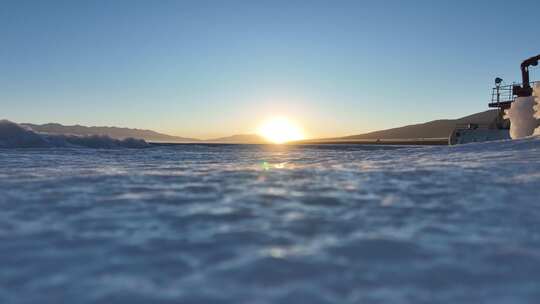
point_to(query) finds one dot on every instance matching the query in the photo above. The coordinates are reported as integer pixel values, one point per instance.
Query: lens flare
(280, 130)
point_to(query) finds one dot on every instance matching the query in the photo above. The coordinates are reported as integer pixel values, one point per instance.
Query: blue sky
(213, 68)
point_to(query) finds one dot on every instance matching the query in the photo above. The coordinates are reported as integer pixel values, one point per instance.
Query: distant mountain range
(436, 129)
(148, 135)
(114, 132)
(240, 139)
(433, 129)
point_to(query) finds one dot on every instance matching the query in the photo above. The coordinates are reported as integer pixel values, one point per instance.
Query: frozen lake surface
(263, 224)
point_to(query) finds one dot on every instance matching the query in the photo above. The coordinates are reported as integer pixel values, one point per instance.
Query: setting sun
(280, 130)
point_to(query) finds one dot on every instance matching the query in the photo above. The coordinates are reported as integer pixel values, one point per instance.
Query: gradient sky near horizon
(215, 68)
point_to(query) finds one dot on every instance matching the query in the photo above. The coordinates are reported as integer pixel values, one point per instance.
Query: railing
(504, 94)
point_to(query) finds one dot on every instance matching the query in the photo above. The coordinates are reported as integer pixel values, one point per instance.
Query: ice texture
(521, 115)
(524, 113)
(265, 224)
(536, 95)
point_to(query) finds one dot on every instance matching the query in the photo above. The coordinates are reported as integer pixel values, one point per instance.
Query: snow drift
(13, 135)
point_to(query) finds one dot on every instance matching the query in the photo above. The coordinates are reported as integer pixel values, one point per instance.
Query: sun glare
(280, 130)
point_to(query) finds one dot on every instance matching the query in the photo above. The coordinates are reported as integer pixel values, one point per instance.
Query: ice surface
(13, 135)
(256, 224)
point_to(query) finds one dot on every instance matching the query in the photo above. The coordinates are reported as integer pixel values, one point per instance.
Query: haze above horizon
(209, 69)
